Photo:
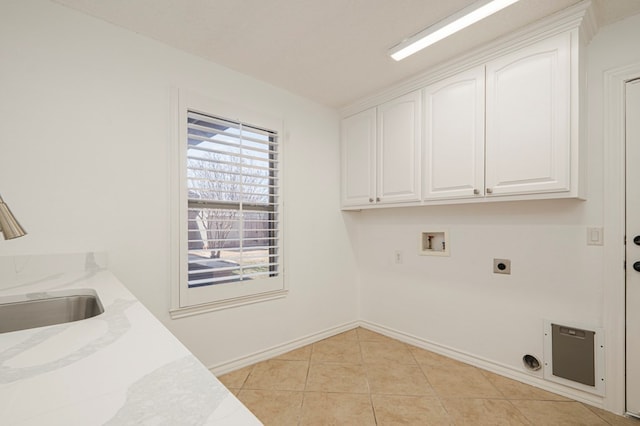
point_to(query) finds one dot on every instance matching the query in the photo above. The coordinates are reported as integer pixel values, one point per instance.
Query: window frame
(185, 300)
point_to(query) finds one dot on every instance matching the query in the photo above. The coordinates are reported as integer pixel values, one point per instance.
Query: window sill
(188, 311)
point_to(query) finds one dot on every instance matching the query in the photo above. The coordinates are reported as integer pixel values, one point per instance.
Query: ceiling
(331, 51)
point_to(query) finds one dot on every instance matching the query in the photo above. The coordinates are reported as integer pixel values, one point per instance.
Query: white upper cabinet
(381, 154)
(503, 124)
(358, 158)
(399, 143)
(528, 139)
(453, 157)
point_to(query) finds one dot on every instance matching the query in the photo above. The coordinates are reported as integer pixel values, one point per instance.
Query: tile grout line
(247, 378)
(524, 416)
(304, 390)
(364, 369)
(435, 392)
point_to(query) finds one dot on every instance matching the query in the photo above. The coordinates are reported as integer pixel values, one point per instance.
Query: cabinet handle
(377, 199)
(476, 192)
(489, 191)
(371, 200)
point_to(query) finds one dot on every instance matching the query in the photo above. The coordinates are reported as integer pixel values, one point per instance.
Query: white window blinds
(233, 190)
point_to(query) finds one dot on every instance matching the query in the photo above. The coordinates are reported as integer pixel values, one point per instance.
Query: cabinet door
(399, 133)
(358, 158)
(454, 137)
(528, 120)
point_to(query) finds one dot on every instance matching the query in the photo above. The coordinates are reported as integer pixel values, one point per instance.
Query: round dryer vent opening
(531, 362)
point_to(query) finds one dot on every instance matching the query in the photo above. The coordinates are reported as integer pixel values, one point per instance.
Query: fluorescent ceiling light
(456, 22)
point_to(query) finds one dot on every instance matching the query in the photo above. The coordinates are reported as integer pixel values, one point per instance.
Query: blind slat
(236, 150)
(222, 122)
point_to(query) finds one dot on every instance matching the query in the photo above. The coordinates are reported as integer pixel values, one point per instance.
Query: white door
(633, 244)
(528, 142)
(399, 143)
(358, 156)
(454, 137)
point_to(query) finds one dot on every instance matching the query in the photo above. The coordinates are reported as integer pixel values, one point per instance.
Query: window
(231, 251)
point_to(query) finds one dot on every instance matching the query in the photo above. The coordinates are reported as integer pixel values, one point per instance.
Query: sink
(48, 308)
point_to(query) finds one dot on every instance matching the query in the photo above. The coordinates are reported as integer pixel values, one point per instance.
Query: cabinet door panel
(359, 158)
(454, 137)
(528, 113)
(399, 149)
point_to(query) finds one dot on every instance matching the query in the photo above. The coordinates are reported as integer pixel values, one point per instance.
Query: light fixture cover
(443, 29)
(9, 226)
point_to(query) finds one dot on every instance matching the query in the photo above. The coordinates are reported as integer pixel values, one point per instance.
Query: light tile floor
(364, 378)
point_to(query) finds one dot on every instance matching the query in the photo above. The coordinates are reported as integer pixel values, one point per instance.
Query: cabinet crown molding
(580, 18)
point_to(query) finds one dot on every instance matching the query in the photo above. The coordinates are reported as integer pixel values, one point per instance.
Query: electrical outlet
(397, 257)
(502, 266)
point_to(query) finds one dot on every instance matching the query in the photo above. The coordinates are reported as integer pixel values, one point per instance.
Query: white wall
(457, 302)
(84, 164)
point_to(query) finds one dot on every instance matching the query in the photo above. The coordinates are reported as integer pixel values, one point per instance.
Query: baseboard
(467, 358)
(274, 351)
(485, 364)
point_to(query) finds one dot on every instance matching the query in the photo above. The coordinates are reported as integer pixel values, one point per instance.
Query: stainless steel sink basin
(39, 309)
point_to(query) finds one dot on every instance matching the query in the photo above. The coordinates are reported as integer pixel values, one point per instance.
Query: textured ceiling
(330, 51)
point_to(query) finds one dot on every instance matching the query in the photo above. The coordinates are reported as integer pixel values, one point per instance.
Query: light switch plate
(595, 236)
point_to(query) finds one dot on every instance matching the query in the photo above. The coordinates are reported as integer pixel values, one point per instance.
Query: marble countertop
(122, 367)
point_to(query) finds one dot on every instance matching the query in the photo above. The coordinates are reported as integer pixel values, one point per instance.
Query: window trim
(187, 301)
